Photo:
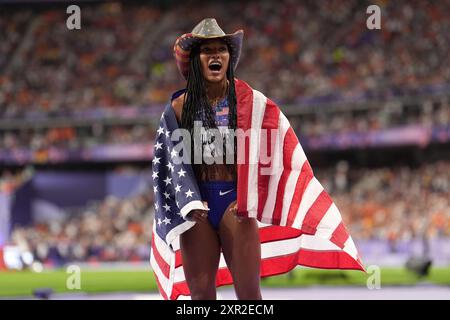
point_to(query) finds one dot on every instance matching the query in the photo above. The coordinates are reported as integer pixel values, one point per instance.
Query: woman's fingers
(235, 208)
(234, 211)
(200, 216)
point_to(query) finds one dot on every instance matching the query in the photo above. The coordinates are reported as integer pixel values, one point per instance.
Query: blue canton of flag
(174, 185)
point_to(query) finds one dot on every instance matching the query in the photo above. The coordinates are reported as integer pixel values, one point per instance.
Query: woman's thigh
(242, 251)
(200, 251)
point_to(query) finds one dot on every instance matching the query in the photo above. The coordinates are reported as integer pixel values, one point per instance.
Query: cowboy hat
(206, 29)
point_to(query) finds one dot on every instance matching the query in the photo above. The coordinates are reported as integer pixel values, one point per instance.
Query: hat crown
(208, 28)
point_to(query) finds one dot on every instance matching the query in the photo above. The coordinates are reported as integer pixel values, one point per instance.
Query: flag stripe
(265, 160)
(162, 248)
(340, 235)
(276, 162)
(312, 192)
(163, 280)
(275, 233)
(160, 287)
(259, 103)
(316, 212)
(289, 148)
(244, 96)
(303, 183)
(329, 223)
(164, 267)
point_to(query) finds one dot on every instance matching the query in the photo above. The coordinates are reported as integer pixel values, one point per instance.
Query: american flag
(298, 222)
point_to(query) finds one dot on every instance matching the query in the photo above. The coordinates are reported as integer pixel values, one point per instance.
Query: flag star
(155, 175)
(158, 145)
(159, 222)
(160, 130)
(166, 221)
(167, 133)
(178, 188)
(173, 153)
(181, 173)
(155, 189)
(189, 193)
(166, 207)
(179, 213)
(156, 160)
(178, 205)
(166, 195)
(156, 206)
(168, 181)
(170, 166)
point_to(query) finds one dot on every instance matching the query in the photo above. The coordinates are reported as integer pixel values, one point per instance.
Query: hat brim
(185, 43)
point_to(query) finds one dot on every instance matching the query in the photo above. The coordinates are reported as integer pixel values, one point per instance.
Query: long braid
(196, 99)
(196, 106)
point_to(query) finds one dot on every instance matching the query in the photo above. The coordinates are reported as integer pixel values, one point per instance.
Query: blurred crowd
(123, 53)
(110, 230)
(56, 68)
(392, 203)
(75, 137)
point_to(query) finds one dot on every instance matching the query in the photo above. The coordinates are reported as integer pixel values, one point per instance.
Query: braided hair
(197, 107)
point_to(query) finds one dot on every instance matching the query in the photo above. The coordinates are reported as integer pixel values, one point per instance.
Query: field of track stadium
(363, 85)
(299, 284)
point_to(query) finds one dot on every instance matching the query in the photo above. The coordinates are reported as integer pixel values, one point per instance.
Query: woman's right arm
(195, 215)
(177, 105)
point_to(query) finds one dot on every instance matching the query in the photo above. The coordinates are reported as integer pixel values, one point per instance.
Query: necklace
(215, 101)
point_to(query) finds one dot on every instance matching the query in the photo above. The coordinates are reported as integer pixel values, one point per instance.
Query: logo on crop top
(224, 193)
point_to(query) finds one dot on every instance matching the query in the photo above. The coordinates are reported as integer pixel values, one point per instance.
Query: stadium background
(79, 111)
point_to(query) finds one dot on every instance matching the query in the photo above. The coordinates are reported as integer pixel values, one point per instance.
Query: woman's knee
(246, 278)
(201, 281)
(249, 294)
(202, 289)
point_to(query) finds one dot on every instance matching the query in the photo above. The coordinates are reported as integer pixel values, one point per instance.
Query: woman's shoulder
(177, 105)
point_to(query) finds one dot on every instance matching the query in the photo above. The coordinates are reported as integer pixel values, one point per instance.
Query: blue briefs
(219, 195)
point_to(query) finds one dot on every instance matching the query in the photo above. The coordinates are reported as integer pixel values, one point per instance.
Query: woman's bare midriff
(212, 172)
(216, 172)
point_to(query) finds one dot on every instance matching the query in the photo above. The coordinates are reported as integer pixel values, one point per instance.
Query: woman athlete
(210, 57)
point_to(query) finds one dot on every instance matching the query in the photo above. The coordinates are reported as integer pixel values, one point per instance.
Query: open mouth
(215, 66)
